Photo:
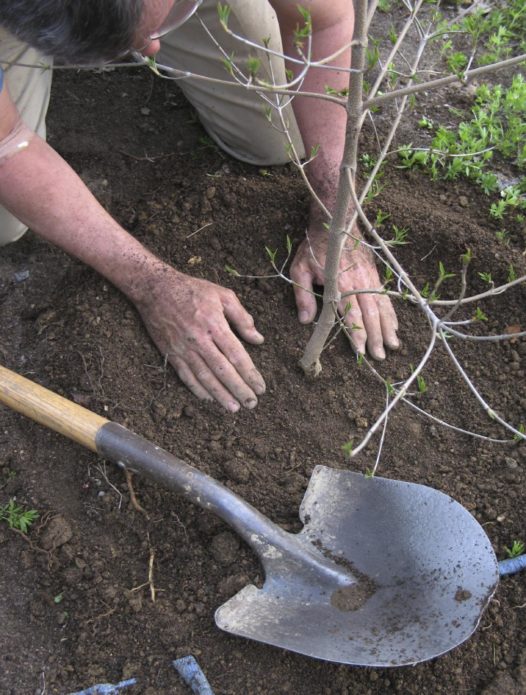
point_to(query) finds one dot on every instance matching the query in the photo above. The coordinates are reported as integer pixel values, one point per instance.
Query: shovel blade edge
(425, 568)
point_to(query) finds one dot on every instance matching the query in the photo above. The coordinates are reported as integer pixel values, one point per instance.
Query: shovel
(383, 573)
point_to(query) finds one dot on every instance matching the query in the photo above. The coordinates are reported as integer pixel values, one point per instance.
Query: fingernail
(233, 406)
(251, 403)
(303, 316)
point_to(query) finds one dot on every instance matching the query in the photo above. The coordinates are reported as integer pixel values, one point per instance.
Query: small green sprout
(16, 517)
(347, 448)
(426, 123)
(232, 271)
(522, 429)
(486, 277)
(517, 548)
(381, 217)
(223, 12)
(479, 315)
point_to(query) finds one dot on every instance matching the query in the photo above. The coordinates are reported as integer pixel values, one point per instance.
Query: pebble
(56, 533)
(189, 411)
(224, 548)
(236, 471)
(463, 201)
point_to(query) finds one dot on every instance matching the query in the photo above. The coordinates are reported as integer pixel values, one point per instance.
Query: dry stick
(133, 497)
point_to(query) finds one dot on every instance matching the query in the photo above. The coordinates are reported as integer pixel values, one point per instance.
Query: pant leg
(234, 117)
(29, 88)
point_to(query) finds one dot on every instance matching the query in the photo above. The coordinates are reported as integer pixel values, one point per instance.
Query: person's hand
(188, 319)
(371, 319)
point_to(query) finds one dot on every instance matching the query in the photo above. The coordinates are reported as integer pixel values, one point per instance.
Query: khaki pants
(29, 88)
(234, 117)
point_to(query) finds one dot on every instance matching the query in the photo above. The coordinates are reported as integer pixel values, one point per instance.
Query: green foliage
(16, 517)
(304, 31)
(347, 447)
(223, 12)
(497, 125)
(232, 271)
(253, 65)
(400, 236)
(479, 315)
(517, 548)
(486, 277)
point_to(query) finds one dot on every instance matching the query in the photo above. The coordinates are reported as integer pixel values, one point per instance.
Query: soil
(76, 598)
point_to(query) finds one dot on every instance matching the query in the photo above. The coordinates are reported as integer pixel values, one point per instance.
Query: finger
(237, 356)
(224, 372)
(349, 309)
(208, 380)
(303, 293)
(239, 317)
(389, 322)
(372, 326)
(185, 374)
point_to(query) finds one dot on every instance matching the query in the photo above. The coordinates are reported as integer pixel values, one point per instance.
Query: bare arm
(187, 318)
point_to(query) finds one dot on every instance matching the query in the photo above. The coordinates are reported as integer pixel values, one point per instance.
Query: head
(93, 31)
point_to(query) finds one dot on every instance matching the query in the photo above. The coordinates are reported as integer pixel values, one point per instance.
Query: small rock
(224, 548)
(21, 275)
(189, 411)
(56, 533)
(511, 463)
(211, 192)
(135, 600)
(463, 201)
(236, 471)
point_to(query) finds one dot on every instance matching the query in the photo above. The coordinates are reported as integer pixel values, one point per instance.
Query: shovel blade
(424, 569)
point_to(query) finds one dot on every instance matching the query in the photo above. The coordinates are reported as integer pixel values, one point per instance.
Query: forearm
(323, 123)
(42, 190)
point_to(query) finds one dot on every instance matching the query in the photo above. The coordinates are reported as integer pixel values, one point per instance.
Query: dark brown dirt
(75, 600)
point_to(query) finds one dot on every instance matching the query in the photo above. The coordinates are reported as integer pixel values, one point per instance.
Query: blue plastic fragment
(512, 565)
(190, 671)
(106, 688)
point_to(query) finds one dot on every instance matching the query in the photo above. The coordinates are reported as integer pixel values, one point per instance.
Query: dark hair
(74, 31)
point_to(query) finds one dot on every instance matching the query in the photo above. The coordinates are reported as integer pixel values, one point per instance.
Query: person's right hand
(188, 319)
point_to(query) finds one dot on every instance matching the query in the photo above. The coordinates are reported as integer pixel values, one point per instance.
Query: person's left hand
(371, 320)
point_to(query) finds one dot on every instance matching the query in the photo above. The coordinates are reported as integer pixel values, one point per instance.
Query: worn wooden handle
(50, 409)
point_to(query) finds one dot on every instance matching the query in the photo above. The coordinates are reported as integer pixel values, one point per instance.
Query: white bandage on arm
(17, 140)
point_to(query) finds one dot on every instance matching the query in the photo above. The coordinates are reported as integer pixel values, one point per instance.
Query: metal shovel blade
(423, 568)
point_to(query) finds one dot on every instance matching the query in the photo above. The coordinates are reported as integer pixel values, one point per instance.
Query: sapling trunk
(310, 361)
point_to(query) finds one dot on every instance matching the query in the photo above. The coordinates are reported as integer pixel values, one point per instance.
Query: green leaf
(232, 271)
(347, 448)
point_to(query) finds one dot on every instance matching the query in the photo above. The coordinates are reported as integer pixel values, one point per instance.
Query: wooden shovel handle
(50, 409)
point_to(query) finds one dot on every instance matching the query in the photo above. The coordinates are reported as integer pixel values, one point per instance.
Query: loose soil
(75, 600)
